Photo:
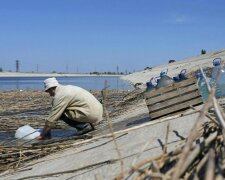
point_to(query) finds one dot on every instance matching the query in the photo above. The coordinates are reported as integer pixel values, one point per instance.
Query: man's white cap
(50, 82)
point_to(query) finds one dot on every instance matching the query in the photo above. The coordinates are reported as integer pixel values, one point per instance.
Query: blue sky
(99, 35)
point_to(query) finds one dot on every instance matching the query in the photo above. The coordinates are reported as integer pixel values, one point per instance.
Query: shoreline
(28, 74)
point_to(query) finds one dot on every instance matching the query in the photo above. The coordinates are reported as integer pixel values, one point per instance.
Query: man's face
(51, 91)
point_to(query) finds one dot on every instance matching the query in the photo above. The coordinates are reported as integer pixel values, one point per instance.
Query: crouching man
(74, 105)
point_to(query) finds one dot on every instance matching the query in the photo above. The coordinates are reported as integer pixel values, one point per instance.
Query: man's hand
(46, 132)
(40, 137)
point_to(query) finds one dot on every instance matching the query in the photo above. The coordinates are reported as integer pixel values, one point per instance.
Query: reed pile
(201, 157)
(207, 155)
(12, 157)
(18, 108)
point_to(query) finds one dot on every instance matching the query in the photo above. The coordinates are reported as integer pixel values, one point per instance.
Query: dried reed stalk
(104, 95)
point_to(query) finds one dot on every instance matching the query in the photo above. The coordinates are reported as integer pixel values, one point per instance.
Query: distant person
(74, 105)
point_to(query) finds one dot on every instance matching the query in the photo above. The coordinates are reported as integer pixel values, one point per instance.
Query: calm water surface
(86, 82)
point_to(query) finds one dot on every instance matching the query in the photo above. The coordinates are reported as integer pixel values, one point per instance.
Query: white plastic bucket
(26, 132)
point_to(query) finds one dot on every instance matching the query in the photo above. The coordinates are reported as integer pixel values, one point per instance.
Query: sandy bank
(191, 64)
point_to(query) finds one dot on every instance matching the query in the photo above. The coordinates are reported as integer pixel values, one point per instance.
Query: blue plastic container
(181, 76)
(150, 85)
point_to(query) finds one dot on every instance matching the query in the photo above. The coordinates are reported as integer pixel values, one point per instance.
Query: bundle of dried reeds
(12, 157)
(201, 157)
(209, 149)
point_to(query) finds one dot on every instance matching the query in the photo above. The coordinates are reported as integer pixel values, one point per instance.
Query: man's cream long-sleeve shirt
(76, 103)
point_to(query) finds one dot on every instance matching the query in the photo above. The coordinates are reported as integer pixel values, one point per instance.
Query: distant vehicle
(148, 68)
(172, 61)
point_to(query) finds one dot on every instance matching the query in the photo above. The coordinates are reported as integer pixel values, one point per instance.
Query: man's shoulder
(69, 88)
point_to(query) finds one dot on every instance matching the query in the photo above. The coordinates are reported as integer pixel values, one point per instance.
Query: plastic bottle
(216, 67)
(218, 75)
(203, 86)
(221, 82)
(164, 79)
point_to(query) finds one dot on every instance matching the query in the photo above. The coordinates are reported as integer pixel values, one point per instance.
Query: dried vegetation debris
(202, 156)
(32, 107)
(23, 107)
(18, 108)
(12, 157)
(128, 101)
(195, 165)
(13, 102)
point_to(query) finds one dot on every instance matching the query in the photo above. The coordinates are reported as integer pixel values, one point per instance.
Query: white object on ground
(26, 132)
